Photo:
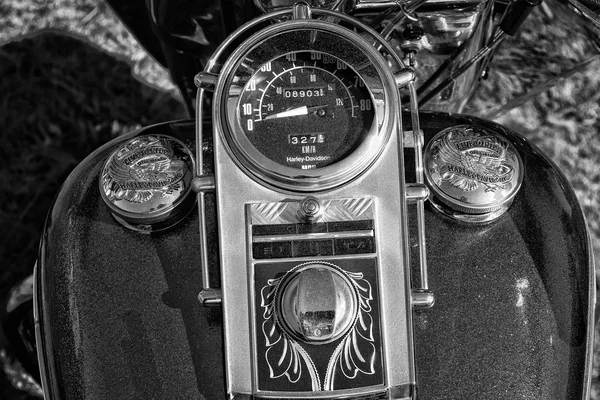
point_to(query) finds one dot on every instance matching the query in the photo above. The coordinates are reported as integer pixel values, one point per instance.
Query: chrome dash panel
(317, 316)
(254, 263)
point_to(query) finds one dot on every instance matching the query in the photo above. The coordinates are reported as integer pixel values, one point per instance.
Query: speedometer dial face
(305, 106)
(305, 109)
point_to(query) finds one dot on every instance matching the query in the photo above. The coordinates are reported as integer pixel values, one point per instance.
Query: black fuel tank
(119, 317)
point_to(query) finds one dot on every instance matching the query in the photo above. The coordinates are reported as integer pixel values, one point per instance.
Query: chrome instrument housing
(354, 222)
(330, 39)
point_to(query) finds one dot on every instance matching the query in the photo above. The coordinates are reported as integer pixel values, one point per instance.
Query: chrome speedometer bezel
(305, 35)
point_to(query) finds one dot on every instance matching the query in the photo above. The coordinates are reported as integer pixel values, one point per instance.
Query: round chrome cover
(146, 182)
(317, 303)
(473, 174)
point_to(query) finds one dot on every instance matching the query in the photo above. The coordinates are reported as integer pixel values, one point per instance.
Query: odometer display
(291, 103)
(303, 92)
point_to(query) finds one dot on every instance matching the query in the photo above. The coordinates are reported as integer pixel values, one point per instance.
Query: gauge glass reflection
(305, 109)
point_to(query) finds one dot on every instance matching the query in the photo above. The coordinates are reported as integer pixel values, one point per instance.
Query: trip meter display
(305, 109)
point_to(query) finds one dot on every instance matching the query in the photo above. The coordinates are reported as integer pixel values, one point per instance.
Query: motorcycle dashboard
(307, 105)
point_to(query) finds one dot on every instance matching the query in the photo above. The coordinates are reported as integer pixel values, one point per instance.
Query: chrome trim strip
(208, 295)
(251, 308)
(404, 233)
(300, 260)
(325, 395)
(418, 139)
(313, 236)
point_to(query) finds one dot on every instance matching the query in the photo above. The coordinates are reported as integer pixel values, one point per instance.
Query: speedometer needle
(294, 112)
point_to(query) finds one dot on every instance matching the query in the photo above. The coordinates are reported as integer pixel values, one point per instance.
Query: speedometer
(305, 106)
(305, 109)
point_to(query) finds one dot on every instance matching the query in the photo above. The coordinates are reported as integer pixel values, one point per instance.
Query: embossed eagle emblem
(144, 168)
(471, 161)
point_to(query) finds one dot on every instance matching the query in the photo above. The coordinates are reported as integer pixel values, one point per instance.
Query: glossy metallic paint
(119, 316)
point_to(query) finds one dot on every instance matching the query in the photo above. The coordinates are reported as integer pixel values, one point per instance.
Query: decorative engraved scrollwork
(350, 356)
(286, 356)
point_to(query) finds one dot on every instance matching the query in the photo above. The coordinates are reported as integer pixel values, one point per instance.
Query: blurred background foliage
(61, 98)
